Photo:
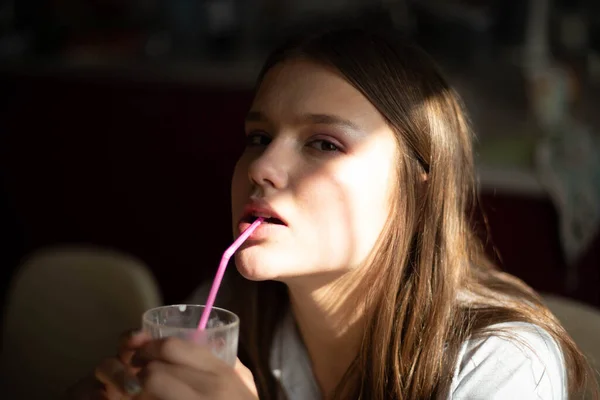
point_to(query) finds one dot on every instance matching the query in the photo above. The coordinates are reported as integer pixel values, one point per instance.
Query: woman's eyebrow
(329, 119)
(325, 119)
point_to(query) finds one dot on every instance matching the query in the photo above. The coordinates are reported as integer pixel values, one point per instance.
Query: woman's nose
(270, 170)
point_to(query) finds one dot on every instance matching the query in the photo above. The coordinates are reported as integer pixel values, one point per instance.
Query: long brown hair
(432, 286)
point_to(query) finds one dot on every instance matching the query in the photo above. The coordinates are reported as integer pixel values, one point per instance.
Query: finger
(238, 366)
(180, 352)
(204, 384)
(241, 370)
(117, 378)
(246, 376)
(132, 334)
(169, 382)
(131, 341)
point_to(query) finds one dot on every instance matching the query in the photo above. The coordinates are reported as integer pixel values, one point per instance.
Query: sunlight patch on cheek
(355, 174)
(372, 174)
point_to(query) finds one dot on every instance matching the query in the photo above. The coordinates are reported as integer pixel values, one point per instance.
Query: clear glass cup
(181, 320)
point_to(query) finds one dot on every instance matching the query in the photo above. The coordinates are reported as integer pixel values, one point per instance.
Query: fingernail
(132, 386)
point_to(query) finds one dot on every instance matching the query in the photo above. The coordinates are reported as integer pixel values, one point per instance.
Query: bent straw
(221, 271)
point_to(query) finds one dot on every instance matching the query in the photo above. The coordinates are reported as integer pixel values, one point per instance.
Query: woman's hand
(165, 369)
(175, 369)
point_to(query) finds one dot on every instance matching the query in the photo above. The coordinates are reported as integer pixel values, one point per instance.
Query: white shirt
(528, 365)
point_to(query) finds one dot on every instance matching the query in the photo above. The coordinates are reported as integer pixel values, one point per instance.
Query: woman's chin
(251, 276)
(252, 269)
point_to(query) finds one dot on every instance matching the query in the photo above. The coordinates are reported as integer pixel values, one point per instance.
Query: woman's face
(321, 160)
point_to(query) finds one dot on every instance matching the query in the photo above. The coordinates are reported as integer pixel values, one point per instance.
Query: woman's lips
(261, 208)
(264, 230)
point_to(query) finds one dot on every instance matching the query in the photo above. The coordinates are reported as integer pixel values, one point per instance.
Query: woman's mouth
(272, 224)
(266, 219)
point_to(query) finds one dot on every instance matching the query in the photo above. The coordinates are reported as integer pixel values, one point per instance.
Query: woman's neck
(330, 319)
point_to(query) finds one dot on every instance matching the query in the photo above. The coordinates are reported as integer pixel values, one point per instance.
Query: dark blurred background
(120, 121)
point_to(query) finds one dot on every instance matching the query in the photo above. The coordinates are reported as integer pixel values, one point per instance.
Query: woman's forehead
(302, 87)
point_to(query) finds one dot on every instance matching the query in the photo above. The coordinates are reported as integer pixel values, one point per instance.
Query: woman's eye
(257, 139)
(324, 145)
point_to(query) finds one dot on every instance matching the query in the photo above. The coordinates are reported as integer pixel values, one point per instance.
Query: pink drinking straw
(221, 271)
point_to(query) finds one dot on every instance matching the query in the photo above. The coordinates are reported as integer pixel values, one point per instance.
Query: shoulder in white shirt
(527, 364)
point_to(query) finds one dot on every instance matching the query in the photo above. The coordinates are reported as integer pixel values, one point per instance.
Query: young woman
(367, 280)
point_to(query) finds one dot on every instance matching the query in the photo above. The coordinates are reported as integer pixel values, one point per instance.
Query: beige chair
(65, 310)
(581, 321)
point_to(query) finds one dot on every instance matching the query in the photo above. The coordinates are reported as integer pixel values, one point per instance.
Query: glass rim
(228, 326)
